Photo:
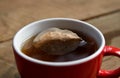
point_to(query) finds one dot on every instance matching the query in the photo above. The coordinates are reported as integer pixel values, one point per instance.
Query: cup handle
(109, 50)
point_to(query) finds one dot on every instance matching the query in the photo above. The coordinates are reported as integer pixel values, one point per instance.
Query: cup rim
(68, 63)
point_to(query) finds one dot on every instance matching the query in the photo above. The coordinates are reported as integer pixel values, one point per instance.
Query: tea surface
(81, 52)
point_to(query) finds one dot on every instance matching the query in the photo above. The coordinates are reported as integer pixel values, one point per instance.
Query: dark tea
(81, 52)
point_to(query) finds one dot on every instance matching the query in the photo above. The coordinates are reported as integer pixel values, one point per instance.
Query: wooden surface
(14, 14)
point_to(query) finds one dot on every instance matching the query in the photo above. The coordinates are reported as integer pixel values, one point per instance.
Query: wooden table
(14, 14)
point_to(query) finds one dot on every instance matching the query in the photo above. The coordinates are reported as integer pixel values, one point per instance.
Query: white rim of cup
(69, 63)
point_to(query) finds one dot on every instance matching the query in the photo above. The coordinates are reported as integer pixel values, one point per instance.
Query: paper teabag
(57, 41)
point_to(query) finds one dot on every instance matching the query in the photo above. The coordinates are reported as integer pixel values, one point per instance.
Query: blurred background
(14, 14)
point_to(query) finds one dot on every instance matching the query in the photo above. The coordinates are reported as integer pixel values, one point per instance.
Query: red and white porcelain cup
(88, 67)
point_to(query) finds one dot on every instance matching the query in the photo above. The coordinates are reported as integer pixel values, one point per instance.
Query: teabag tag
(57, 41)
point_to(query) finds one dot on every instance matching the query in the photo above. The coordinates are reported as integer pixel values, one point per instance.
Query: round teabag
(57, 41)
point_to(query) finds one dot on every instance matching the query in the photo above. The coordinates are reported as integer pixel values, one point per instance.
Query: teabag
(57, 41)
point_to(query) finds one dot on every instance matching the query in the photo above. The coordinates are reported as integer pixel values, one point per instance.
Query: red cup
(88, 67)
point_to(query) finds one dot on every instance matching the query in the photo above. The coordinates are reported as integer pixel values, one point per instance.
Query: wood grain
(14, 14)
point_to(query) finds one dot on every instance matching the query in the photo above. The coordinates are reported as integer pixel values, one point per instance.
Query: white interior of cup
(68, 23)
